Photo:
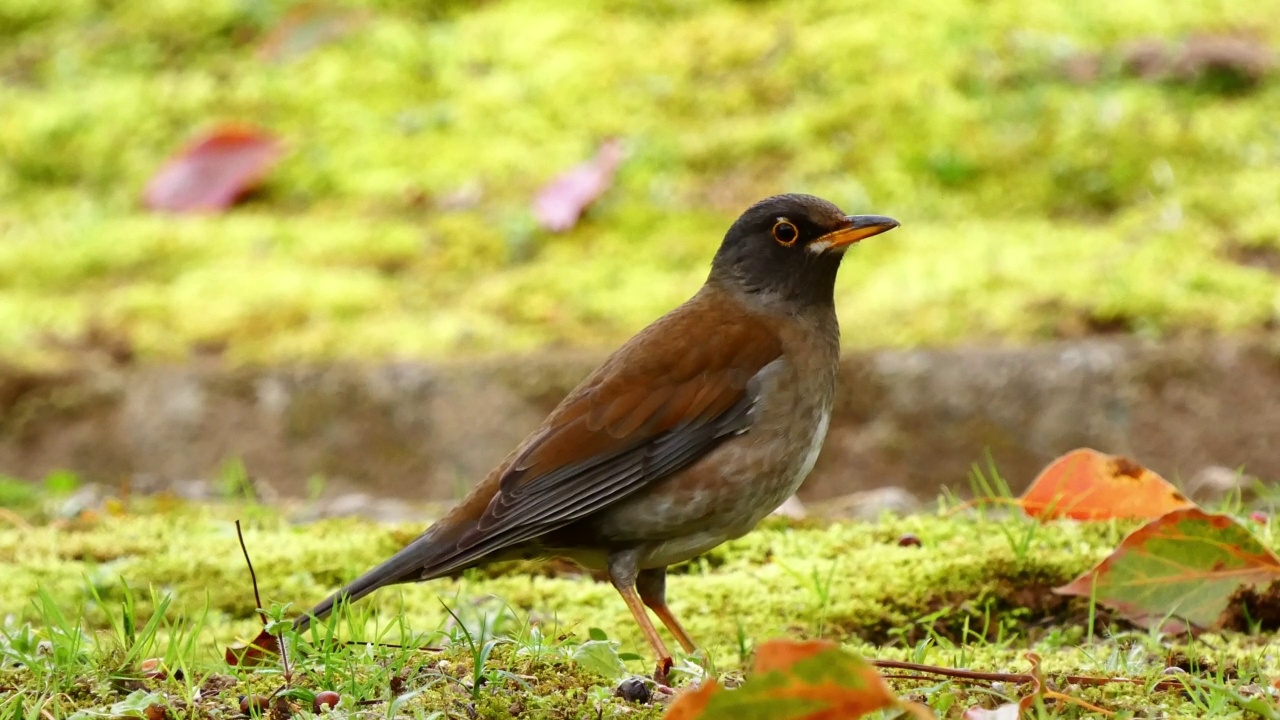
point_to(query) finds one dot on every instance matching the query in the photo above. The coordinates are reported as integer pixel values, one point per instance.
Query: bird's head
(788, 248)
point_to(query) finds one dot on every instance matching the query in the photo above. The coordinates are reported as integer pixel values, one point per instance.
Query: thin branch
(905, 676)
(257, 599)
(1171, 684)
(396, 646)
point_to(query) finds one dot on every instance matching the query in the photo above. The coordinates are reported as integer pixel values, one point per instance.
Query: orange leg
(652, 586)
(622, 574)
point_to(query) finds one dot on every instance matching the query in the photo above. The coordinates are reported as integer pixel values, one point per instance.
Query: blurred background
(358, 249)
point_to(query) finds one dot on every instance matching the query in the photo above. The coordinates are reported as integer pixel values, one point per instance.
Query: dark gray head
(790, 247)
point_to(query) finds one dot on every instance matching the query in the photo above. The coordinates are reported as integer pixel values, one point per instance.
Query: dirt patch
(1224, 64)
(1254, 611)
(1263, 257)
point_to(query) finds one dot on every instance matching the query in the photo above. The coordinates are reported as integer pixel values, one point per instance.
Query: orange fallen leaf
(691, 704)
(1188, 567)
(214, 170)
(783, 655)
(255, 652)
(812, 680)
(1085, 484)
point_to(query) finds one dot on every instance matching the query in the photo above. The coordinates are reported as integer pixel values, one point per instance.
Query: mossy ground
(1032, 205)
(975, 594)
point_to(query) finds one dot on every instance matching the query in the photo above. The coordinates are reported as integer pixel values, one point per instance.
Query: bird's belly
(728, 491)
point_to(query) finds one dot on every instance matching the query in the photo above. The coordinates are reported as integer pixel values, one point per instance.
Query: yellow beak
(859, 227)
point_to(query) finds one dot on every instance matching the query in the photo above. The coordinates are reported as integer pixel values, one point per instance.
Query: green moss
(868, 583)
(975, 594)
(1025, 198)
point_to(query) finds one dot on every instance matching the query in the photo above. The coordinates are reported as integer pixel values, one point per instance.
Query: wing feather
(646, 414)
(663, 400)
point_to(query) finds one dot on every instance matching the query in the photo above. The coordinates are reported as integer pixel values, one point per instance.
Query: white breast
(815, 446)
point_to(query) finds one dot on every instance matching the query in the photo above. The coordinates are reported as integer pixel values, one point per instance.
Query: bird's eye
(785, 232)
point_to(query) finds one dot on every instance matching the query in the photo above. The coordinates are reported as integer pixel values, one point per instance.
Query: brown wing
(663, 400)
(652, 409)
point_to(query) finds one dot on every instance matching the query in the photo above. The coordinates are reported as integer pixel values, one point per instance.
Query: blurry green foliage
(21, 494)
(1034, 202)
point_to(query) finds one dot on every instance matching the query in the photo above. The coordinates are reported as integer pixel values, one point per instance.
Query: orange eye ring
(785, 232)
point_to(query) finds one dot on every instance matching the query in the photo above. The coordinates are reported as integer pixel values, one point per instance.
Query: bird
(686, 437)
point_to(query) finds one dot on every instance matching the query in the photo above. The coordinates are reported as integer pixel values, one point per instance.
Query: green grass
(1032, 206)
(89, 600)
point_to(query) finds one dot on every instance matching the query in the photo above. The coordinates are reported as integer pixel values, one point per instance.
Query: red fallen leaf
(813, 680)
(1192, 567)
(1085, 484)
(214, 170)
(305, 27)
(255, 652)
(562, 201)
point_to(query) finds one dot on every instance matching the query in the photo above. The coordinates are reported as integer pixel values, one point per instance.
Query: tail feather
(408, 565)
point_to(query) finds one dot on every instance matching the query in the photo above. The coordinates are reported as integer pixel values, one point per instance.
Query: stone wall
(915, 419)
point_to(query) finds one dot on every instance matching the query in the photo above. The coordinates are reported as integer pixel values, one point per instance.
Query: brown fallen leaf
(214, 170)
(562, 201)
(306, 26)
(1227, 64)
(1187, 568)
(255, 652)
(1085, 484)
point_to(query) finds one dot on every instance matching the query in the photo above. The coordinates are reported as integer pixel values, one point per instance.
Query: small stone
(634, 690)
(254, 704)
(1252, 690)
(153, 669)
(867, 505)
(325, 700)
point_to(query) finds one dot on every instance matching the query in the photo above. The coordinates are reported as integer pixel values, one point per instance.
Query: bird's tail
(405, 566)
